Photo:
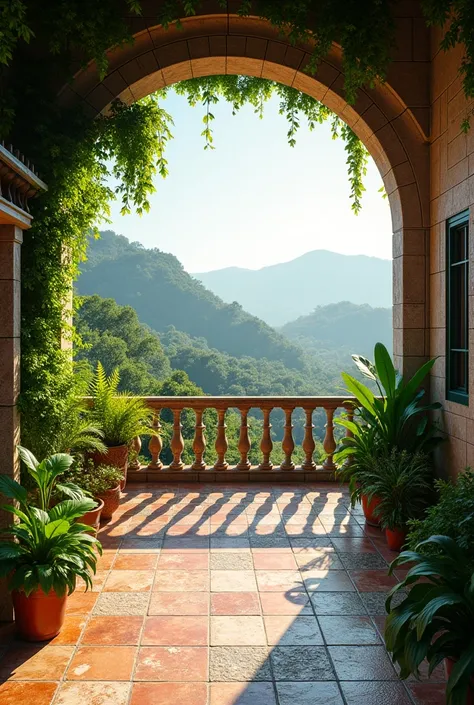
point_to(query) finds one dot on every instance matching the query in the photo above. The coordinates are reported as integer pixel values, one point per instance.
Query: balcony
(311, 468)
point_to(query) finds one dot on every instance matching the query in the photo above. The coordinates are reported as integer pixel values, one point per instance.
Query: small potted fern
(121, 418)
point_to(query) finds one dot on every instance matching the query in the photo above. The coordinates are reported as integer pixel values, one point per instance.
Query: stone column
(11, 237)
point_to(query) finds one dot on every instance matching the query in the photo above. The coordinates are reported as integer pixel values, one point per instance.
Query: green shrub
(452, 516)
(92, 480)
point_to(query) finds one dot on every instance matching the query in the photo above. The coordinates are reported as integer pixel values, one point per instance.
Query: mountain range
(282, 292)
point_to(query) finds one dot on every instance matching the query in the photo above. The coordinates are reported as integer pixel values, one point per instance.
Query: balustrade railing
(242, 405)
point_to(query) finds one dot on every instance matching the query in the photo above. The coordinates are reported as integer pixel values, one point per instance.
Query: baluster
(349, 434)
(136, 447)
(177, 442)
(221, 442)
(288, 444)
(244, 441)
(329, 443)
(199, 443)
(266, 445)
(308, 442)
(155, 444)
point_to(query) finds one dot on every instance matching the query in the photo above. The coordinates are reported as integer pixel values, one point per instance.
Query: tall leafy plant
(436, 620)
(49, 548)
(120, 416)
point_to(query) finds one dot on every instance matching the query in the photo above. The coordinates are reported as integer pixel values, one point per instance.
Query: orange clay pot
(395, 538)
(39, 616)
(369, 507)
(449, 664)
(117, 456)
(111, 501)
(92, 518)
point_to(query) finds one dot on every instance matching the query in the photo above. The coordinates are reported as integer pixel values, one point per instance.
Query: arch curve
(383, 117)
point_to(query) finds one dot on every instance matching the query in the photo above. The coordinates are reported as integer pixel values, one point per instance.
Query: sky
(254, 201)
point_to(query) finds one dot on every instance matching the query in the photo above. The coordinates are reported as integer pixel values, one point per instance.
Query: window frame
(457, 395)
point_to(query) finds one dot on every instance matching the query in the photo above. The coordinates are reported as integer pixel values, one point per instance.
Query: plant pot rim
(116, 445)
(110, 489)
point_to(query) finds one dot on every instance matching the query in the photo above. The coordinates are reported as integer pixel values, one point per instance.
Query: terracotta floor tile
(278, 580)
(41, 663)
(230, 543)
(112, 630)
(364, 693)
(85, 693)
(81, 602)
(349, 630)
(134, 545)
(428, 693)
(373, 580)
(176, 631)
(178, 544)
(293, 630)
(105, 561)
(169, 694)
(176, 663)
(71, 630)
(242, 694)
(129, 581)
(319, 559)
(181, 581)
(102, 663)
(356, 545)
(274, 561)
(237, 631)
(312, 693)
(233, 581)
(98, 581)
(290, 603)
(142, 561)
(180, 561)
(235, 603)
(24, 693)
(180, 603)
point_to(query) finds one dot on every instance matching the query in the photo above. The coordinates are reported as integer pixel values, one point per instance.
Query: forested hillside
(344, 326)
(155, 284)
(283, 292)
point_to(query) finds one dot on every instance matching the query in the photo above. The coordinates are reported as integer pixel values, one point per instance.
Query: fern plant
(120, 416)
(76, 432)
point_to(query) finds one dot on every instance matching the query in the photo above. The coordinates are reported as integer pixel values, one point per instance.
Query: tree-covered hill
(282, 292)
(155, 284)
(342, 326)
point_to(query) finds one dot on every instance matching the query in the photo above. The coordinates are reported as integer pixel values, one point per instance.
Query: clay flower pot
(369, 507)
(39, 616)
(111, 502)
(92, 518)
(449, 664)
(395, 538)
(116, 455)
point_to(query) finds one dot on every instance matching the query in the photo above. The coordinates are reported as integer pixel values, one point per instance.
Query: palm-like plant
(403, 484)
(76, 432)
(49, 547)
(120, 416)
(436, 620)
(46, 474)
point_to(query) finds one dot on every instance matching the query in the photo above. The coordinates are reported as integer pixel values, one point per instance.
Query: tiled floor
(224, 595)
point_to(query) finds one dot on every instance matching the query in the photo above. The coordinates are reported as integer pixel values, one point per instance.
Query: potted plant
(403, 485)
(48, 551)
(396, 418)
(101, 482)
(121, 418)
(436, 620)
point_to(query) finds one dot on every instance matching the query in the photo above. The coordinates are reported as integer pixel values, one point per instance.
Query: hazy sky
(255, 201)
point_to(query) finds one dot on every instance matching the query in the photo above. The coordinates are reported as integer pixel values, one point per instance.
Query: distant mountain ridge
(283, 292)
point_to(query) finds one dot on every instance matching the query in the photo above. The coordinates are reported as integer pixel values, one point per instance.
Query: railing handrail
(237, 402)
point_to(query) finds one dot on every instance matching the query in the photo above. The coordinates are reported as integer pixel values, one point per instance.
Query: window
(457, 309)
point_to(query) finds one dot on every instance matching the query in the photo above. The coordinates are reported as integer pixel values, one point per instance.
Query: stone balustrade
(198, 469)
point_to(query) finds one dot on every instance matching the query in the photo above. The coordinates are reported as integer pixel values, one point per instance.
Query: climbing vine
(41, 39)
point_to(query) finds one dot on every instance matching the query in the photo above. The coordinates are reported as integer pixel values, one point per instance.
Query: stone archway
(391, 119)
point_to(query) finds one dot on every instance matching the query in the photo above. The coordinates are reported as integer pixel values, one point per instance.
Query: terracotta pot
(369, 507)
(111, 501)
(449, 664)
(39, 616)
(395, 538)
(117, 456)
(92, 518)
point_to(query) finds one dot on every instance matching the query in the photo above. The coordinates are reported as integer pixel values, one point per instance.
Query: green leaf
(28, 458)
(362, 393)
(56, 528)
(10, 488)
(385, 369)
